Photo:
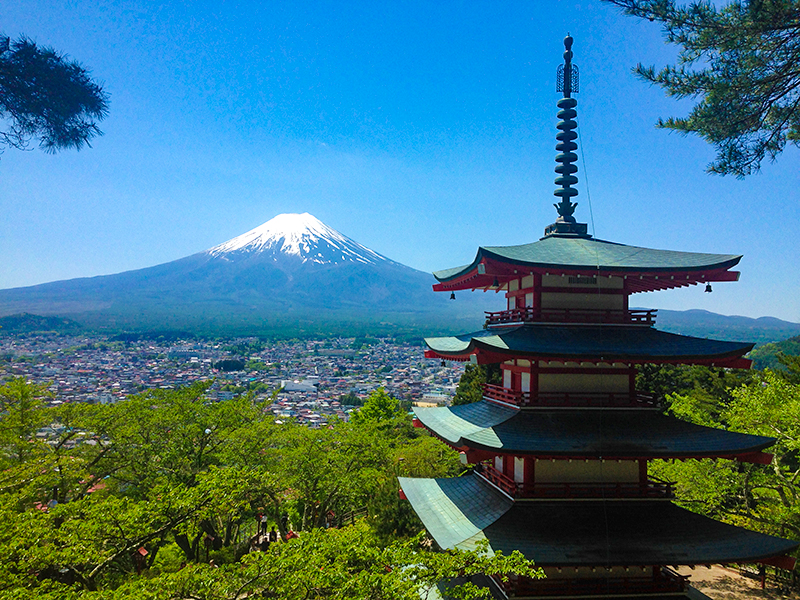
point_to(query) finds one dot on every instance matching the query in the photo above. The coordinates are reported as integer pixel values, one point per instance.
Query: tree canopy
(470, 386)
(46, 96)
(135, 499)
(761, 497)
(742, 62)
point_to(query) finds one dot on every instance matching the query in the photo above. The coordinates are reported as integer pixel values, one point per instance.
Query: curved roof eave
(563, 342)
(581, 433)
(591, 254)
(458, 511)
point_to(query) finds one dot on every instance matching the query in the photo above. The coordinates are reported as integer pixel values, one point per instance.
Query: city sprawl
(318, 379)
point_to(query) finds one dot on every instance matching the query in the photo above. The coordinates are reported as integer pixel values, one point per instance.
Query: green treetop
(741, 62)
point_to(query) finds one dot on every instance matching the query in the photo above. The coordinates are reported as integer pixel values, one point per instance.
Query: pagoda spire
(568, 83)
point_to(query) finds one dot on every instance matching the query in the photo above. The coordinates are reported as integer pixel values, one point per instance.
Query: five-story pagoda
(561, 449)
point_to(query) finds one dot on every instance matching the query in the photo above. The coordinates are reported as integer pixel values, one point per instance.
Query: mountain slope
(290, 269)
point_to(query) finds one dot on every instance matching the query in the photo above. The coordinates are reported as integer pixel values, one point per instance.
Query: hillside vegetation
(163, 495)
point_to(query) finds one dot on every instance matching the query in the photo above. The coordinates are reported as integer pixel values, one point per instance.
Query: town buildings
(319, 377)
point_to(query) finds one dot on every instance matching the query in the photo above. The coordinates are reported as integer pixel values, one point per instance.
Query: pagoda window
(525, 382)
(584, 378)
(512, 302)
(529, 299)
(507, 378)
(587, 301)
(586, 383)
(498, 463)
(519, 469)
(513, 285)
(582, 292)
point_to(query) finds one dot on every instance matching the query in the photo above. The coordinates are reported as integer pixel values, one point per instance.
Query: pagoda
(560, 450)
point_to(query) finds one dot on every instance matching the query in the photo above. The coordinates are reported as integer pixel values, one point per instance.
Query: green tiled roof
(453, 424)
(581, 432)
(586, 533)
(587, 342)
(455, 511)
(589, 253)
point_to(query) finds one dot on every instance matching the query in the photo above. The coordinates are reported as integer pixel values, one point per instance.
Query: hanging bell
(452, 295)
(708, 288)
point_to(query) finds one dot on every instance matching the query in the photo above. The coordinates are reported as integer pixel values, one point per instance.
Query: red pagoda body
(561, 449)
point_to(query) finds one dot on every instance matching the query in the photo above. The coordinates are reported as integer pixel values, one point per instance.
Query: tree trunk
(183, 543)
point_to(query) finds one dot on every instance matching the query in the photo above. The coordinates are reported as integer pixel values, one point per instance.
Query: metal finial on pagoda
(568, 83)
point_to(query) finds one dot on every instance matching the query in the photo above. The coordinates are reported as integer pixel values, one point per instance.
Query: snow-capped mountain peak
(300, 235)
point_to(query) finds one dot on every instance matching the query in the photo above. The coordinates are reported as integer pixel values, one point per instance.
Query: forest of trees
(136, 499)
(764, 498)
(159, 495)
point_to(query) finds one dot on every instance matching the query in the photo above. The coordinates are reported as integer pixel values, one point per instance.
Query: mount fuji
(291, 273)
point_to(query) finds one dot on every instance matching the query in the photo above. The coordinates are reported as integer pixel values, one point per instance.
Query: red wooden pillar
(529, 471)
(508, 465)
(632, 381)
(537, 290)
(643, 472)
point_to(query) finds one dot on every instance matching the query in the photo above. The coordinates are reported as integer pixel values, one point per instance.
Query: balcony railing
(568, 399)
(492, 475)
(664, 581)
(571, 315)
(652, 488)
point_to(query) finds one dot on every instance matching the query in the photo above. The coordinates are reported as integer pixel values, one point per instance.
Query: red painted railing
(568, 399)
(505, 483)
(653, 488)
(665, 581)
(502, 394)
(570, 315)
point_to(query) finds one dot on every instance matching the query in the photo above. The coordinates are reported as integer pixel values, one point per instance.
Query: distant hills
(294, 276)
(702, 323)
(27, 323)
(766, 356)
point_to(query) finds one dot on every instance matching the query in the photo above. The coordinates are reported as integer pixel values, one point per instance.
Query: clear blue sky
(419, 129)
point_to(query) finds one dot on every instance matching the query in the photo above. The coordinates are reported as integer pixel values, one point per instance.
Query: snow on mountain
(303, 236)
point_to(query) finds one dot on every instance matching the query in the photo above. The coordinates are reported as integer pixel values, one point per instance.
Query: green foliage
(767, 356)
(470, 387)
(345, 564)
(20, 404)
(761, 497)
(255, 365)
(379, 407)
(351, 399)
(363, 342)
(706, 385)
(183, 479)
(28, 323)
(229, 364)
(740, 60)
(792, 365)
(46, 96)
